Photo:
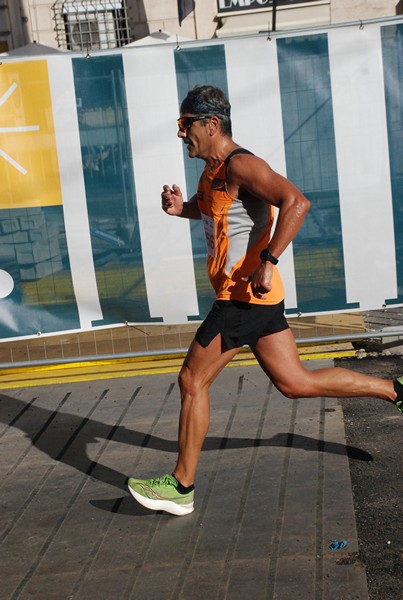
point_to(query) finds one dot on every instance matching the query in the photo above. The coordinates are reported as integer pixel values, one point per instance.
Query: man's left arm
(254, 176)
(293, 207)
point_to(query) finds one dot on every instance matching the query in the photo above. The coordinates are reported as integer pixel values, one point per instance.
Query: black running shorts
(240, 323)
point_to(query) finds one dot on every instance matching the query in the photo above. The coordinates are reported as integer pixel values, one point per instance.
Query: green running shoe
(161, 494)
(398, 385)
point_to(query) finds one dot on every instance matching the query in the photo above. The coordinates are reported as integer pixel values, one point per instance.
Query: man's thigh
(278, 356)
(204, 363)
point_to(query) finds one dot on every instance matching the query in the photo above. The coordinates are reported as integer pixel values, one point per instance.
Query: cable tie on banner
(361, 26)
(268, 32)
(88, 55)
(177, 44)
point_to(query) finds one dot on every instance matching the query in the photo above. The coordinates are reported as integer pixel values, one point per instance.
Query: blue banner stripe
(311, 164)
(199, 66)
(110, 191)
(392, 55)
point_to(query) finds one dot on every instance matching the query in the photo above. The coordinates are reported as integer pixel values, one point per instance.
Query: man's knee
(188, 382)
(293, 389)
(183, 378)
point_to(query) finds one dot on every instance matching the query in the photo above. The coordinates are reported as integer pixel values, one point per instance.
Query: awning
(159, 37)
(32, 49)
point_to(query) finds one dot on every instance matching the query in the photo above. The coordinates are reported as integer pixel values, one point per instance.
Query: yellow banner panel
(29, 169)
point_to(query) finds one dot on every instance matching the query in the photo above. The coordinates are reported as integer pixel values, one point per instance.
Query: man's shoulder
(243, 161)
(237, 151)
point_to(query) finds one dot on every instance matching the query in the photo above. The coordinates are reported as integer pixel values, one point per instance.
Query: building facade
(102, 24)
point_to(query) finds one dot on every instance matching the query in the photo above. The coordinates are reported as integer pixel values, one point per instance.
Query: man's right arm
(173, 204)
(191, 209)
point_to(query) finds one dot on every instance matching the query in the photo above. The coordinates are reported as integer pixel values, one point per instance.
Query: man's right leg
(201, 366)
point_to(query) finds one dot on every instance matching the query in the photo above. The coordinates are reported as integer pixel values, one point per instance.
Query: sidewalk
(273, 491)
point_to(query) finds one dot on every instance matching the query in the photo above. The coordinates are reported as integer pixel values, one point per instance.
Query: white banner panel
(363, 164)
(158, 160)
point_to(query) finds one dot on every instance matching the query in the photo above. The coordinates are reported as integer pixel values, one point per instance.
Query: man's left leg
(278, 356)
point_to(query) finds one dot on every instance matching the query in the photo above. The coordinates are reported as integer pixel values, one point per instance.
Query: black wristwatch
(266, 255)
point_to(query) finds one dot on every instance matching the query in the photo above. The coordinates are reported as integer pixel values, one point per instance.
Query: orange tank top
(236, 231)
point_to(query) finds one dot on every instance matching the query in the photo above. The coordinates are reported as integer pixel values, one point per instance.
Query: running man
(236, 196)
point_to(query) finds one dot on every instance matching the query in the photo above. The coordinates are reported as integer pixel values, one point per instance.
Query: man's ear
(214, 125)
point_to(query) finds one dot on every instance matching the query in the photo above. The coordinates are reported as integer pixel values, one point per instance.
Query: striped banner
(86, 145)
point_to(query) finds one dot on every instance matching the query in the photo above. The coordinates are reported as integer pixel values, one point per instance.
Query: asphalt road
(376, 427)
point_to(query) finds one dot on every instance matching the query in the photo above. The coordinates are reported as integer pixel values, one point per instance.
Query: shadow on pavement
(64, 437)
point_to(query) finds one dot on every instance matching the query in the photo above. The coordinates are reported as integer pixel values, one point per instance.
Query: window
(91, 24)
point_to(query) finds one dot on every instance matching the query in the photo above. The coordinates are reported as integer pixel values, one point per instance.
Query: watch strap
(266, 255)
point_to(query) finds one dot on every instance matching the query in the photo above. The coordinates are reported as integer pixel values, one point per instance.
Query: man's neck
(220, 153)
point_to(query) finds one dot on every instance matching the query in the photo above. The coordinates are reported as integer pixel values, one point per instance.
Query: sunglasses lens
(183, 124)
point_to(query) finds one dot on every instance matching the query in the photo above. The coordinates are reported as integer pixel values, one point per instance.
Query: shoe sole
(178, 510)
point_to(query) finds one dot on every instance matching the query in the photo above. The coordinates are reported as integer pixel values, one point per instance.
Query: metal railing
(370, 328)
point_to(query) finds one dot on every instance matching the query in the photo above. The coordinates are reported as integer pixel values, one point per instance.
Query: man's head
(206, 100)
